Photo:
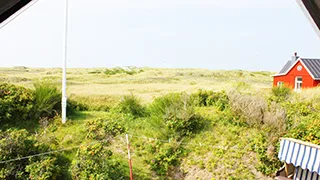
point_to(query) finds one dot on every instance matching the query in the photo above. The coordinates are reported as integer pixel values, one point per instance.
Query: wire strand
(50, 152)
(106, 140)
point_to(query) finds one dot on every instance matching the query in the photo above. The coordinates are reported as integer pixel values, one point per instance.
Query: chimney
(294, 57)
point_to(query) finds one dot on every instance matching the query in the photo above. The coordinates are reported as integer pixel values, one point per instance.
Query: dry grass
(256, 111)
(147, 85)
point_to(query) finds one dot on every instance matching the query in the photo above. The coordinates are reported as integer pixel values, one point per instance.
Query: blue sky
(212, 34)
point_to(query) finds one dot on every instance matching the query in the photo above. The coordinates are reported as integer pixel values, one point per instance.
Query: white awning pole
(64, 68)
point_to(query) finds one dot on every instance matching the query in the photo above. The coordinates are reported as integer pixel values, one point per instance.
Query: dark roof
(286, 67)
(313, 65)
(9, 7)
(313, 8)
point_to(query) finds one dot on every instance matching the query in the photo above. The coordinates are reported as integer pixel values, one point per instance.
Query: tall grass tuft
(47, 100)
(130, 104)
(177, 112)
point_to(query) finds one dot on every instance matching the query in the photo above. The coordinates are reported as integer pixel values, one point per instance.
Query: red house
(299, 73)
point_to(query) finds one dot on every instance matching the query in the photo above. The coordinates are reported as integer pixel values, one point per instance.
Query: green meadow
(181, 123)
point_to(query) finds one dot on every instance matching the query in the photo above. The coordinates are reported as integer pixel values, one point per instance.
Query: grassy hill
(229, 130)
(146, 83)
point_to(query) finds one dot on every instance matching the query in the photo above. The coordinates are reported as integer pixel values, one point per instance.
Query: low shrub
(228, 117)
(210, 98)
(16, 103)
(96, 162)
(123, 70)
(19, 143)
(297, 110)
(308, 130)
(167, 157)
(100, 129)
(130, 104)
(73, 105)
(47, 168)
(177, 112)
(280, 93)
(266, 153)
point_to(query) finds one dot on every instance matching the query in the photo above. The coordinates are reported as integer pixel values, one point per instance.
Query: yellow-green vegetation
(148, 83)
(182, 123)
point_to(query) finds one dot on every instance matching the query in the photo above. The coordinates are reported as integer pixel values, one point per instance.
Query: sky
(213, 34)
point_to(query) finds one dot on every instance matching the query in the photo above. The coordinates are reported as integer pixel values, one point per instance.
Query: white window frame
(296, 82)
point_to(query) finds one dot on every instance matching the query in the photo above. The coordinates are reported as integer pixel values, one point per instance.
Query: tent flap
(300, 154)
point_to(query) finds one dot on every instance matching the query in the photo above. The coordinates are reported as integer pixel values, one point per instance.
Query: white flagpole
(64, 68)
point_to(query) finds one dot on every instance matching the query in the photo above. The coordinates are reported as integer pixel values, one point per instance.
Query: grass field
(147, 85)
(203, 161)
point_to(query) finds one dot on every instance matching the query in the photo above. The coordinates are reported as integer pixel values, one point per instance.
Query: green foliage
(44, 169)
(267, 157)
(130, 104)
(229, 117)
(296, 111)
(177, 112)
(19, 143)
(95, 162)
(210, 98)
(167, 156)
(47, 100)
(308, 130)
(73, 106)
(16, 103)
(126, 70)
(100, 129)
(280, 93)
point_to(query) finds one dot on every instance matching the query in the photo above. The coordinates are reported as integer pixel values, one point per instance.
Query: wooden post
(129, 157)
(286, 169)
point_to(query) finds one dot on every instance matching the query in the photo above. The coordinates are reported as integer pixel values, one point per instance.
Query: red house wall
(289, 78)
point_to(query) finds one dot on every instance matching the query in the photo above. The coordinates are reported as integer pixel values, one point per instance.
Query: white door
(298, 84)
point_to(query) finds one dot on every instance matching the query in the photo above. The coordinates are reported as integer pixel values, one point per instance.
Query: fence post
(129, 157)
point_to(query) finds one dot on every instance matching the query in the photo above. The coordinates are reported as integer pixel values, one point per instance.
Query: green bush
(130, 104)
(210, 98)
(167, 156)
(96, 162)
(100, 129)
(16, 103)
(177, 112)
(308, 130)
(268, 160)
(47, 100)
(119, 70)
(73, 105)
(280, 93)
(297, 110)
(19, 143)
(47, 168)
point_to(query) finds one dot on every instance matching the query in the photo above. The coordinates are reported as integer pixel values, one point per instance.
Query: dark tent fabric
(9, 7)
(313, 8)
